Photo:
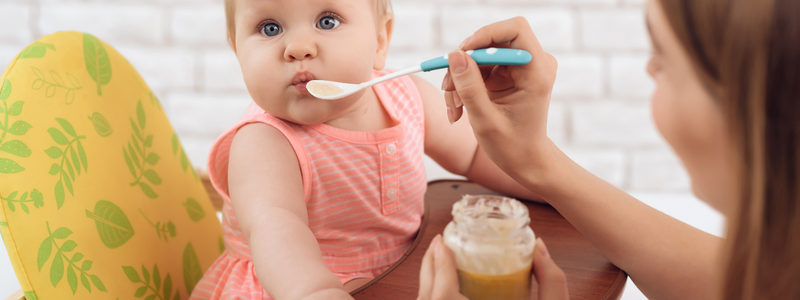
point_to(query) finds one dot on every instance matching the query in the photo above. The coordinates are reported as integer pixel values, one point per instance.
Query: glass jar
(493, 246)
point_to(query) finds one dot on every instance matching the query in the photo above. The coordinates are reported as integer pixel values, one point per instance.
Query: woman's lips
(301, 79)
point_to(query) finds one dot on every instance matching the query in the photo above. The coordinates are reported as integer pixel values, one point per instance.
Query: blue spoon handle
(488, 56)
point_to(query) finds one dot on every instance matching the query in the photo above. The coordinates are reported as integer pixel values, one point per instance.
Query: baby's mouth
(301, 79)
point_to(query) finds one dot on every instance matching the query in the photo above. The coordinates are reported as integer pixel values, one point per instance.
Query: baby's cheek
(355, 64)
(251, 78)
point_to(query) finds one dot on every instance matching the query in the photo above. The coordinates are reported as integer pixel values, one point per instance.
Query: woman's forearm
(667, 258)
(287, 258)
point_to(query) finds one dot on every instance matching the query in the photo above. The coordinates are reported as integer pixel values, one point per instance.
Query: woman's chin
(705, 194)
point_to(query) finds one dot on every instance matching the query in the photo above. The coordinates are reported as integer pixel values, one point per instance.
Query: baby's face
(283, 44)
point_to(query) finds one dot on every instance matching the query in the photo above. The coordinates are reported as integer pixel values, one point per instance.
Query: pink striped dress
(363, 191)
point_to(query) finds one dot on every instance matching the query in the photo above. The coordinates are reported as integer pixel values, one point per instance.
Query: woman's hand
(507, 104)
(552, 280)
(438, 279)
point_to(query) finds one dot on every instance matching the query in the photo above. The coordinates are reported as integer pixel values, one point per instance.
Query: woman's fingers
(453, 102)
(468, 81)
(552, 280)
(514, 32)
(455, 109)
(426, 273)
(438, 279)
(446, 278)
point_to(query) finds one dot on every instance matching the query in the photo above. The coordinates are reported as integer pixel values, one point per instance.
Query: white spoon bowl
(331, 90)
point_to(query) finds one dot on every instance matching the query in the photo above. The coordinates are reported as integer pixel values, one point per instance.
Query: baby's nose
(300, 48)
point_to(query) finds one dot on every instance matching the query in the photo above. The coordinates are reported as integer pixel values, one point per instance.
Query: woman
(727, 101)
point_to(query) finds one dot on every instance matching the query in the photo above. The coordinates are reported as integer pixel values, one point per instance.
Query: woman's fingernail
(446, 80)
(543, 248)
(437, 249)
(459, 63)
(464, 42)
(457, 100)
(450, 114)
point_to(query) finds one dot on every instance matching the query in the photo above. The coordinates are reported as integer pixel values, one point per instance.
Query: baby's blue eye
(271, 29)
(328, 23)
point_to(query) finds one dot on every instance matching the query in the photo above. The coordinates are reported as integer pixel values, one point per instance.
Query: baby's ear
(385, 26)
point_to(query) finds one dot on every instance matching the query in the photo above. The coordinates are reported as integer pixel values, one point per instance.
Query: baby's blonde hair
(381, 7)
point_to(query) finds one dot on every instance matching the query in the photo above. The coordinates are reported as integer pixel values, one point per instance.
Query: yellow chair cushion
(98, 198)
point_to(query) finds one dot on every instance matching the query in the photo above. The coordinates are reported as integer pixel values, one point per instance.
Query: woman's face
(688, 116)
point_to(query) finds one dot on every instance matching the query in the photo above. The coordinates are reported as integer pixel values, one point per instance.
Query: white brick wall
(600, 113)
(117, 24)
(626, 80)
(614, 29)
(579, 76)
(199, 26)
(600, 108)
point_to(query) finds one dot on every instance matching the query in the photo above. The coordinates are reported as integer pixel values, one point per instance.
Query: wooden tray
(589, 273)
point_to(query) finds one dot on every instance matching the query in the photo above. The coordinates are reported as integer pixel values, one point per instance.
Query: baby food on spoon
(323, 89)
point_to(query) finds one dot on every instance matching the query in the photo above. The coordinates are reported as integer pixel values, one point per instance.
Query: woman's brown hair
(747, 53)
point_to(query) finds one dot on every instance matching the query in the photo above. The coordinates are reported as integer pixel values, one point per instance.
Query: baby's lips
(303, 76)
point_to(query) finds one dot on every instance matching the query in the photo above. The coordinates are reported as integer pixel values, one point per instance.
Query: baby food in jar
(493, 246)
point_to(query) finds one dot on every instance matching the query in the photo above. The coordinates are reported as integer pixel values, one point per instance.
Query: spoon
(332, 90)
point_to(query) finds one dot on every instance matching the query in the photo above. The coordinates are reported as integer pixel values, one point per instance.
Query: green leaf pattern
(192, 272)
(101, 124)
(112, 224)
(97, 62)
(70, 160)
(9, 166)
(57, 267)
(163, 230)
(138, 159)
(194, 210)
(160, 290)
(57, 82)
(14, 147)
(30, 295)
(36, 50)
(34, 197)
(153, 99)
(177, 149)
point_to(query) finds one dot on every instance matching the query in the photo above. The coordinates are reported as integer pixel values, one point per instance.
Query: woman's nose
(300, 47)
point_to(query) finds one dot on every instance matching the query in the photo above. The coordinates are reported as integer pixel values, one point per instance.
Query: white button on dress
(391, 149)
(391, 193)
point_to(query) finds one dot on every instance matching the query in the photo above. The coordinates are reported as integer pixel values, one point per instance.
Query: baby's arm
(455, 148)
(266, 191)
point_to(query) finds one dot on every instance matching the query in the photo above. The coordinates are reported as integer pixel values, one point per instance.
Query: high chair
(97, 197)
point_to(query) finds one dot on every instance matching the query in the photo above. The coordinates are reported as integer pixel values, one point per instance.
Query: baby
(321, 196)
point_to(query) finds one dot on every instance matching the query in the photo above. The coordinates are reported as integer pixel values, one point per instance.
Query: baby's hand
(329, 294)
